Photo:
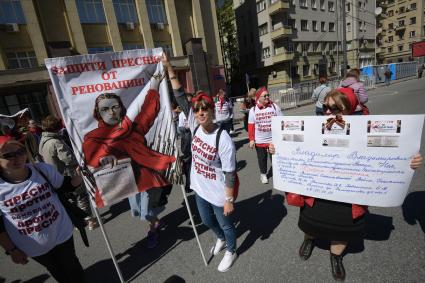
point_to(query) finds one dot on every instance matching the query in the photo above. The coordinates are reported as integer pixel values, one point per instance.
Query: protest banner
(116, 107)
(362, 159)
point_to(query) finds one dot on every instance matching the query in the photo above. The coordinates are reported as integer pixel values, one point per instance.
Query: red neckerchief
(337, 119)
(222, 101)
(265, 106)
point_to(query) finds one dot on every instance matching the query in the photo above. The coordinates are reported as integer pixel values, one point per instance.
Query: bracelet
(230, 199)
(11, 250)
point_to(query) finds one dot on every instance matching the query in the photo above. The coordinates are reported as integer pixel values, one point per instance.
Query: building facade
(32, 30)
(399, 25)
(284, 42)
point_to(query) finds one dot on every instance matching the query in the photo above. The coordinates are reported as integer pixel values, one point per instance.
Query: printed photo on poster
(384, 126)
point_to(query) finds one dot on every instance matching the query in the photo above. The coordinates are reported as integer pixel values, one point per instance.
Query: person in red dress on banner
(117, 137)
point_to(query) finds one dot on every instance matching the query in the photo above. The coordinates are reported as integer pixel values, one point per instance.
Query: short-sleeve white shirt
(262, 119)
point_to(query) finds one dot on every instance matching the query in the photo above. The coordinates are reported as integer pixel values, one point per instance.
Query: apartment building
(283, 42)
(399, 25)
(360, 32)
(32, 30)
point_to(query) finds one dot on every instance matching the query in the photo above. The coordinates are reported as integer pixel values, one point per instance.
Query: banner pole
(108, 245)
(193, 223)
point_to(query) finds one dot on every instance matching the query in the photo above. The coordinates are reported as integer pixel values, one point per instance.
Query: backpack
(217, 142)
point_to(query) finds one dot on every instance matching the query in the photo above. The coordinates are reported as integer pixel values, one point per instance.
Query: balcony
(281, 31)
(282, 57)
(400, 27)
(278, 6)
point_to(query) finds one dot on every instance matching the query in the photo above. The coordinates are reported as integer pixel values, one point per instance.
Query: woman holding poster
(337, 222)
(213, 172)
(33, 222)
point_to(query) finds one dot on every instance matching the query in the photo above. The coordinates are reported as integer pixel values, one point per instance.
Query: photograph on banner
(116, 108)
(358, 159)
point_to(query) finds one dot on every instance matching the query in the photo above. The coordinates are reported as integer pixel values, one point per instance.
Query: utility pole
(344, 39)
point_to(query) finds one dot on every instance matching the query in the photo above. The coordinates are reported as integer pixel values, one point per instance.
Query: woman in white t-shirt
(33, 222)
(224, 111)
(212, 174)
(260, 128)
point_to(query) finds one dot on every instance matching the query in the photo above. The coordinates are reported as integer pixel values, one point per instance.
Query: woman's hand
(416, 161)
(19, 257)
(228, 208)
(108, 160)
(165, 61)
(272, 149)
(251, 144)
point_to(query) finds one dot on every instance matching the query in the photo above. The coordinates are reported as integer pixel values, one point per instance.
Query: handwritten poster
(361, 159)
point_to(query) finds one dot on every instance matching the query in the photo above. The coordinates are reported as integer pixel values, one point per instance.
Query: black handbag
(76, 214)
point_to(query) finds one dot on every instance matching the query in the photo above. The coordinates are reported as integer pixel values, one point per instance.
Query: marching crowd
(39, 170)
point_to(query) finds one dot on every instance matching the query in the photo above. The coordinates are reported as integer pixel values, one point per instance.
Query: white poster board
(363, 160)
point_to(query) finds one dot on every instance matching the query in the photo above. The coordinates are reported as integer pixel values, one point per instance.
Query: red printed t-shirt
(223, 112)
(33, 216)
(262, 119)
(206, 176)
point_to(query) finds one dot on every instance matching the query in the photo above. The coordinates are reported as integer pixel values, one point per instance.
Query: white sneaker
(263, 179)
(218, 247)
(227, 261)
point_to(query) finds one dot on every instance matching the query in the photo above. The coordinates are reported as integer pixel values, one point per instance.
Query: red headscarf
(352, 98)
(259, 92)
(205, 97)
(8, 140)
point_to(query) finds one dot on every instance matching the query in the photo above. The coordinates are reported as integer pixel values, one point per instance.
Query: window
(314, 4)
(331, 6)
(292, 23)
(331, 26)
(400, 48)
(323, 26)
(156, 11)
(412, 34)
(390, 49)
(400, 36)
(390, 13)
(401, 10)
(303, 3)
(304, 25)
(101, 49)
(165, 46)
(413, 6)
(306, 70)
(266, 52)
(390, 38)
(91, 11)
(261, 6)
(401, 23)
(11, 12)
(21, 60)
(262, 30)
(391, 26)
(36, 101)
(322, 4)
(130, 46)
(305, 46)
(315, 26)
(348, 26)
(324, 45)
(332, 46)
(347, 7)
(125, 11)
(316, 46)
(413, 20)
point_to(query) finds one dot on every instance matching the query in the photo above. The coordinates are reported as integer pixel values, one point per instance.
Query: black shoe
(338, 271)
(306, 249)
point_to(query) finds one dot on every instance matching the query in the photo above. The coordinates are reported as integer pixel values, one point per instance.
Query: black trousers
(62, 263)
(262, 158)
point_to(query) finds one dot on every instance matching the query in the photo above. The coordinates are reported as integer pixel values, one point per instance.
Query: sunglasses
(11, 155)
(333, 109)
(203, 108)
(266, 95)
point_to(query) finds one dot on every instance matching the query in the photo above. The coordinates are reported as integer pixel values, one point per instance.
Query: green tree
(228, 38)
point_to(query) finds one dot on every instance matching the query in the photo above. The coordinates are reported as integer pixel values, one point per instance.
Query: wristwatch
(230, 199)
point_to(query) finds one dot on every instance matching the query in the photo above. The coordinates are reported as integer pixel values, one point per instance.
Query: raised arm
(175, 84)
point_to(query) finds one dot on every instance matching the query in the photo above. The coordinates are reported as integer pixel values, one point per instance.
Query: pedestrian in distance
(247, 104)
(260, 128)
(26, 194)
(319, 94)
(421, 70)
(337, 222)
(352, 80)
(223, 111)
(213, 173)
(387, 75)
(185, 145)
(56, 152)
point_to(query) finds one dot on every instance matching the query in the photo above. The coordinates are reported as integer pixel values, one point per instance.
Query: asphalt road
(268, 235)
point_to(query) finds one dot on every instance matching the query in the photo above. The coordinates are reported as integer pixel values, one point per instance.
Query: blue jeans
(319, 111)
(212, 216)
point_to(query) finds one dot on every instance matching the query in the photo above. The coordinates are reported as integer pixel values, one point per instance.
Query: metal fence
(399, 71)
